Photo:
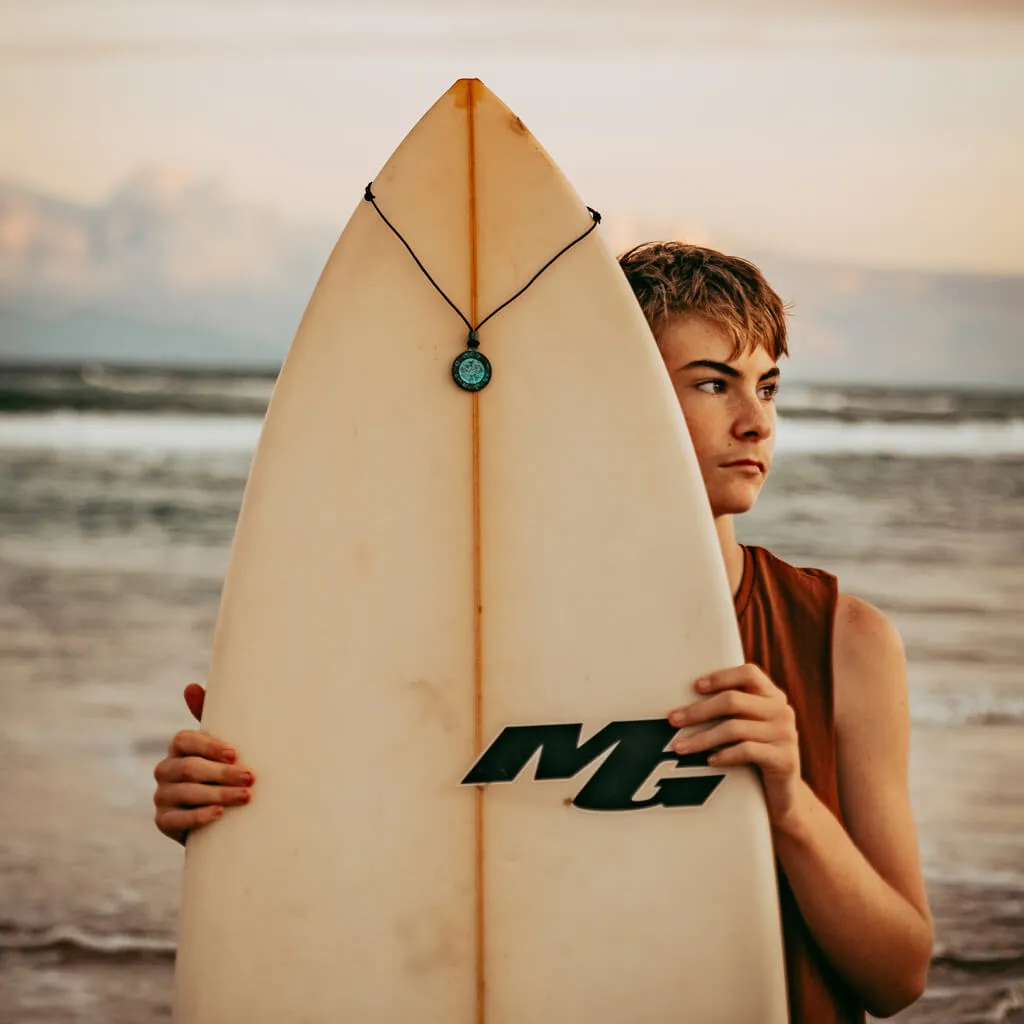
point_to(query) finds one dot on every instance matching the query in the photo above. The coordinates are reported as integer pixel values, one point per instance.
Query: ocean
(118, 496)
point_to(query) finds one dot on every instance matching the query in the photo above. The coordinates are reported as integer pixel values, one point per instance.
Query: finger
(744, 677)
(731, 731)
(199, 769)
(727, 704)
(195, 794)
(195, 697)
(177, 822)
(191, 743)
(766, 756)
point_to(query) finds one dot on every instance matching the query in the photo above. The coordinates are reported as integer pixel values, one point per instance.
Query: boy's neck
(732, 553)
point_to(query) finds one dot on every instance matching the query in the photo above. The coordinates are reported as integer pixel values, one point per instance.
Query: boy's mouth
(745, 463)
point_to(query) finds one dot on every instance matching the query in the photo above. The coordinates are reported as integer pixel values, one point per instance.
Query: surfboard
(461, 598)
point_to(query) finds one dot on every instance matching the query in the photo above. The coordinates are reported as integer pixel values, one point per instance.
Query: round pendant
(471, 370)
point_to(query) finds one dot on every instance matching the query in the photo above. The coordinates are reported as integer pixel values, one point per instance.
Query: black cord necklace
(471, 369)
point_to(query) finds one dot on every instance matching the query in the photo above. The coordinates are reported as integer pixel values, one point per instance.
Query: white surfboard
(451, 629)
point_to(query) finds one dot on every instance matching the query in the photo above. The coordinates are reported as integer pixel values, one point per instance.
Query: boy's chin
(733, 504)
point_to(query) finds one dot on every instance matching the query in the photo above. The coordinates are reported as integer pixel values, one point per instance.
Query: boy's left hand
(755, 725)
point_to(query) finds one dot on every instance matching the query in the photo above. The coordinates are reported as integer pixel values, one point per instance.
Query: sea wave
(966, 709)
(979, 965)
(124, 390)
(971, 1002)
(995, 976)
(130, 432)
(169, 433)
(962, 438)
(73, 943)
(211, 391)
(899, 405)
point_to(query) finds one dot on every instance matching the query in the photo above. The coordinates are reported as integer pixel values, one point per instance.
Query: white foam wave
(164, 434)
(968, 708)
(974, 876)
(128, 432)
(877, 403)
(70, 937)
(977, 438)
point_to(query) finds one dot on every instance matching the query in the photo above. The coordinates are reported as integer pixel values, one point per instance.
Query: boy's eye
(716, 386)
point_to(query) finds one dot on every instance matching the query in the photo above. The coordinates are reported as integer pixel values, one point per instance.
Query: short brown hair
(672, 279)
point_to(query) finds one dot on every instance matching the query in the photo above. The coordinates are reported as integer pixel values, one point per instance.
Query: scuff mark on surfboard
(362, 560)
(429, 942)
(434, 704)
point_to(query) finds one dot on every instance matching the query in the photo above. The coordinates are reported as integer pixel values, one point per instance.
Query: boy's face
(729, 406)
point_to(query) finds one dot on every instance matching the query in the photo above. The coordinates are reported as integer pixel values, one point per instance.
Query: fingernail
(244, 797)
(701, 684)
(218, 811)
(680, 746)
(677, 717)
(246, 779)
(228, 753)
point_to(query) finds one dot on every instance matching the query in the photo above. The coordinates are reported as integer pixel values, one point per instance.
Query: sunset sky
(881, 134)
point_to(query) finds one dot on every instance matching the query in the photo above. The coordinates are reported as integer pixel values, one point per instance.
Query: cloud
(174, 269)
(164, 257)
(160, 233)
(908, 327)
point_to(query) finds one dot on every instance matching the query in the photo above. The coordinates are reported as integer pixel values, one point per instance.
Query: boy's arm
(861, 890)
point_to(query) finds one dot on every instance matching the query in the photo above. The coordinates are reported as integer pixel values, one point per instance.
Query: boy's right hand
(198, 778)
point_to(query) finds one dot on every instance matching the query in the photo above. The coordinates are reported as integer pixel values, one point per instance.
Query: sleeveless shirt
(785, 616)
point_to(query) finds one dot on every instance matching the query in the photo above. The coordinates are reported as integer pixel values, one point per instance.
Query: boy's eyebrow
(727, 370)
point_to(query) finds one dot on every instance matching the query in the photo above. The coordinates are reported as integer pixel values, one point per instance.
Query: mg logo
(636, 750)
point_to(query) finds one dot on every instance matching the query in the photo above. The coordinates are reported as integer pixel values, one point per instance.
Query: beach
(116, 518)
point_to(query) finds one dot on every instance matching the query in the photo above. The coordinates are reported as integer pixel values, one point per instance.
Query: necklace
(471, 369)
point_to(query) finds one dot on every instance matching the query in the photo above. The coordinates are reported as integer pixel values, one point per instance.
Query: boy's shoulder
(864, 633)
(859, 627)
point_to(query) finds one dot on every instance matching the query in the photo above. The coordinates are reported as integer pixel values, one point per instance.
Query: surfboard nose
(465, 89)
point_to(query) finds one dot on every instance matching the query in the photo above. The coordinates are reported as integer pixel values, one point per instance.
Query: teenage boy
(820, 707)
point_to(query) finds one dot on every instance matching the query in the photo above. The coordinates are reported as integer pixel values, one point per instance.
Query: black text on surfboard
(637, 748)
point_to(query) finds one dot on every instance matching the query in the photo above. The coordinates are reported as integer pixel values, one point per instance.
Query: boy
(820, 707)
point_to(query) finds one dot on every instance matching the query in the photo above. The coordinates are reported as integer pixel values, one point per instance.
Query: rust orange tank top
(785, 616)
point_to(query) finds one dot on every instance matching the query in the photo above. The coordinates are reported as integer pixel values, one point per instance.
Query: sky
(878, 134)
